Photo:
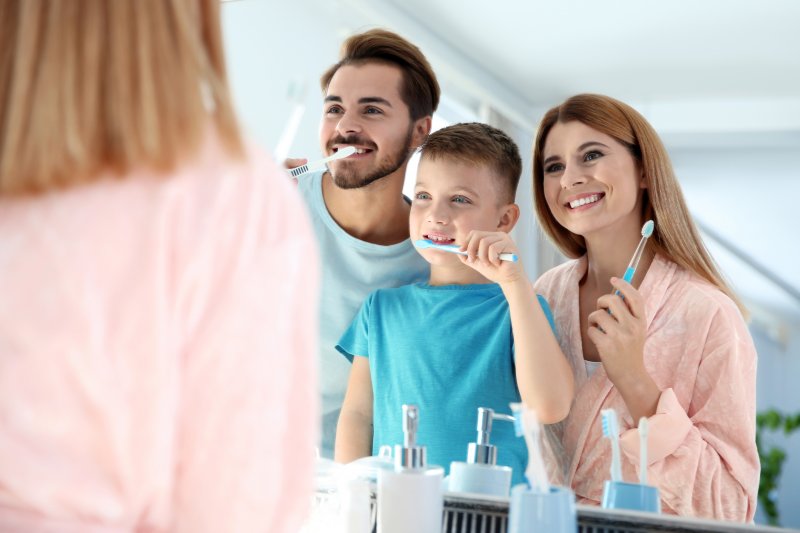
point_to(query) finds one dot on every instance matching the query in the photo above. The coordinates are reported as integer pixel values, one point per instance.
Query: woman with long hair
(158, 279)
(671, 346)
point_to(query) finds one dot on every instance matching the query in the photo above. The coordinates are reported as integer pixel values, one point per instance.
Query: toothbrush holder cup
(532, 512)
(631, 496)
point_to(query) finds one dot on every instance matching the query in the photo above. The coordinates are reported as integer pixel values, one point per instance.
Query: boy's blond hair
(92, 86)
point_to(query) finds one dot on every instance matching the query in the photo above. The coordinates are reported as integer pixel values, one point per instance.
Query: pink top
(701, 447)
(156, 370)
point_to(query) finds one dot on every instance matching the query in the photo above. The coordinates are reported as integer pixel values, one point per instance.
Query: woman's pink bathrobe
(702, 453)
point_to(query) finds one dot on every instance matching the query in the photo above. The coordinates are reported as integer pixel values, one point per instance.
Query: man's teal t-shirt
(449, 350)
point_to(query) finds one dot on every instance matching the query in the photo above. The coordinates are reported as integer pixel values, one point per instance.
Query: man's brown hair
(420, 90)
(478, 144)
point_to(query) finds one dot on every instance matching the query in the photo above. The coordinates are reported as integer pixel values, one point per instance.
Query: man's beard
(346, 177)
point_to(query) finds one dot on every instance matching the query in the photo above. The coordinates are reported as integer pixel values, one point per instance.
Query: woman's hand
(619, 328)
(484, 249)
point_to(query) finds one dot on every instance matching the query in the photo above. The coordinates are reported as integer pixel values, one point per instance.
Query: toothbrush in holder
(611, 432)
(318, 165)
(526, 424)
(647, 231)
(454, 248)
(643, 450)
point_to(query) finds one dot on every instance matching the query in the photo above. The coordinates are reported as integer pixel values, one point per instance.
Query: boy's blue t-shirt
(449, 350)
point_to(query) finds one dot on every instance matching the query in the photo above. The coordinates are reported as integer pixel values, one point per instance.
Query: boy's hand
(484, 249)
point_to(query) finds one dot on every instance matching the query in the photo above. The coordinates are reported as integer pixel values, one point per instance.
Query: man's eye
(334, 109)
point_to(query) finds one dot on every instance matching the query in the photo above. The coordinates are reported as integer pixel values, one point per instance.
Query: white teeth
(583, 201)
(360, 151)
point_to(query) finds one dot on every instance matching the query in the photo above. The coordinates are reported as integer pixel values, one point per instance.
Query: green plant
(772, 459)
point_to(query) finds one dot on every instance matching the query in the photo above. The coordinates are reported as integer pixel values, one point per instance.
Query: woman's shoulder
(700, 298)
(557, 278)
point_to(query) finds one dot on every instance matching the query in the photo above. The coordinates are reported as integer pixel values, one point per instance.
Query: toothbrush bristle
(647, 229)
(608, 419)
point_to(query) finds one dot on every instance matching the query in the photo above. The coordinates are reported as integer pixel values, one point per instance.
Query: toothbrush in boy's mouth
(454, 248)
(318, 165)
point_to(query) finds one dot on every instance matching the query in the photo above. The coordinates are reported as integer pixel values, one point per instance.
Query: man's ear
(422, 128)
(509, 215)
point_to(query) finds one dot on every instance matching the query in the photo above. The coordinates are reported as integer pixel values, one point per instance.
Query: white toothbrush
(643, 450)
(611, 431)
(318, 165)
(647, 231)
(526, 423)
(454, 248)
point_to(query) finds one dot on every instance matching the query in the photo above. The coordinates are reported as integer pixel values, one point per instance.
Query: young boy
(474, 335)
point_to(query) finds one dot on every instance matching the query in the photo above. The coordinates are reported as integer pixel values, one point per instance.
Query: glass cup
(532, 512)
(631, 496)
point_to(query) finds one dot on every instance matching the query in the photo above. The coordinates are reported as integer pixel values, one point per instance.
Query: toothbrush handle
(627, 277)
(616, 468)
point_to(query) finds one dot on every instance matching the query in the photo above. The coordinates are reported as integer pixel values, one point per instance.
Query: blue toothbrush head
(423, 243)
(647, 229)
(609, 419)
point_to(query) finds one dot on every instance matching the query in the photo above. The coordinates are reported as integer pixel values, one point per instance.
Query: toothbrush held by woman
(647, 231)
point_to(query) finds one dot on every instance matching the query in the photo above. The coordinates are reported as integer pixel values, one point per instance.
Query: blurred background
(718, 79)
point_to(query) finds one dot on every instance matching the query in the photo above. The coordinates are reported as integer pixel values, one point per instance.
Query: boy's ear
(509, 215)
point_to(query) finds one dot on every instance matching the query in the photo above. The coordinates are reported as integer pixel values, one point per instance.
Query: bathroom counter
(490, 515)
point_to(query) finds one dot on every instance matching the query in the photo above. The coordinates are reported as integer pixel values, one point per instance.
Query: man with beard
(379, 98)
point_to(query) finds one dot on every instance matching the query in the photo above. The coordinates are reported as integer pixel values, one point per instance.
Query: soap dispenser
(481, 474)
(410, 495)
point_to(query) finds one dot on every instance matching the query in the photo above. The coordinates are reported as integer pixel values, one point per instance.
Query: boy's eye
(555, 167)
(422, 196)
(461, 200)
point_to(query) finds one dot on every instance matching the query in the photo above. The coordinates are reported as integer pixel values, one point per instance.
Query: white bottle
(354, 512)
(410, 497)
(480, 474)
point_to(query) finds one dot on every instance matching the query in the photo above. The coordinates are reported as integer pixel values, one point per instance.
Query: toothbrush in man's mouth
(320, 164)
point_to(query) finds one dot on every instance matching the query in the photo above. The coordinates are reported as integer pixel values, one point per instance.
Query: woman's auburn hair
(97, 86)
(675, 236)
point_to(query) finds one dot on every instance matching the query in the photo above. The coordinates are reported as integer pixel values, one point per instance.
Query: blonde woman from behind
(158, 277)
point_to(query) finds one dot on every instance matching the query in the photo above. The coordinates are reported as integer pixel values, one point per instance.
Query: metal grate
(473, 515)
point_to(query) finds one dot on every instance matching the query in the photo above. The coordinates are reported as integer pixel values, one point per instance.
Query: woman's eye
(555, 167)
(461, 200)
(594, 154)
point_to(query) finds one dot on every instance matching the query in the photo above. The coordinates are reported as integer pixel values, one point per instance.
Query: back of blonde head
(96, 86)
(675, 235)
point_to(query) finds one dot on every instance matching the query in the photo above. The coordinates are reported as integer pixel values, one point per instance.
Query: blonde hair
(95, 86)
(675, 236)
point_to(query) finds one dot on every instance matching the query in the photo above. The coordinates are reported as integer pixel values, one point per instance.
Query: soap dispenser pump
(410, 496)
(480, 474)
